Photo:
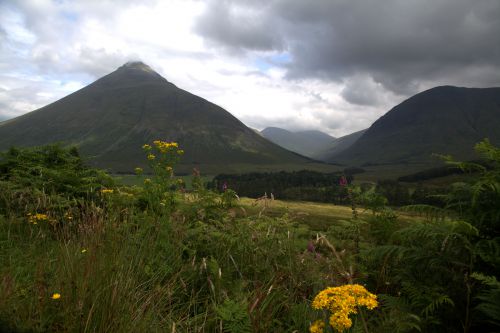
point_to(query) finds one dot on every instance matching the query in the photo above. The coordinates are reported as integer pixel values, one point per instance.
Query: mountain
(443, 120)
(338, 145)
(318, 136)
(110, 120)
(303, 142)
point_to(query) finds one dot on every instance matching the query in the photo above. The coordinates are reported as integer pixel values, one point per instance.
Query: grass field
(317, 216)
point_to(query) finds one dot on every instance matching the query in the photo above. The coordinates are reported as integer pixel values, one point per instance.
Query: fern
(234, 317)
(437, 302)
(487, 280)
(489, 298)
(397, 316)
(489, 251)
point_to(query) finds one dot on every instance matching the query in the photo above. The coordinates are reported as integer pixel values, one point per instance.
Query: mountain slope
(303, 142)
(338, 145)
(113, 117)
(444, 120)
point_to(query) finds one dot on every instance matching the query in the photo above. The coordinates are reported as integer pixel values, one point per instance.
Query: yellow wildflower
(147, 181)
(56, 296)
(83, 250)
(151, 157)
(180, 152)
(146, 147)
(138, 171)
(343, 301)
(106, 190)
(34, 219)
(317, 327)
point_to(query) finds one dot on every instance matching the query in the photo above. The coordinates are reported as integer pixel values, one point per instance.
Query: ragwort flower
(343, 301)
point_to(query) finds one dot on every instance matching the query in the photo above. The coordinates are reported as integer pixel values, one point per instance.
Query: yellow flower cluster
(106, 190)
(343, 301)
(317, 327)
(164, 147)
(151, 157)
(35, 218)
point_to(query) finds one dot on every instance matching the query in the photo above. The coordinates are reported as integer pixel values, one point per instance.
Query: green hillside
(338, 145)
(110, 119)
(443, 120)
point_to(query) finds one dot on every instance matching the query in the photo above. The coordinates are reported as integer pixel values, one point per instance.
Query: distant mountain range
(337, 146)
(442, 120)
(306, 143)
(110, 119)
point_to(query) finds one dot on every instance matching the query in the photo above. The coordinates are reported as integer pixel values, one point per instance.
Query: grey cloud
(361, 91)
(341, 124)
(398, 43)
(239, 26)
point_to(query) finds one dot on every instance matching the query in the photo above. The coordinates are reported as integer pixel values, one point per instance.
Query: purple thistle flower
(224, 186)
(343, 181)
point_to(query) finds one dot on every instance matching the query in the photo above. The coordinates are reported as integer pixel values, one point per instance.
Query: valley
(280, 166)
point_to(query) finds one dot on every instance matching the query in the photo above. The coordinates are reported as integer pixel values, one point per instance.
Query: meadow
(83, 252)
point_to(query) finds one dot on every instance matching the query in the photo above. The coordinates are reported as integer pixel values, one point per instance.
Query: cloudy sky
(332, 65)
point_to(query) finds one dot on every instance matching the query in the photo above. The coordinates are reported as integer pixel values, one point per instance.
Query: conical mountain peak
(132, 73)
(138, 65)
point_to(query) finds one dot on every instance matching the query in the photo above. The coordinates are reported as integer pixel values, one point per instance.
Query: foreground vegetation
(80, 252)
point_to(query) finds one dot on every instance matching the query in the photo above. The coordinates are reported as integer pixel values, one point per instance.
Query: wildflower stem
(365, 326)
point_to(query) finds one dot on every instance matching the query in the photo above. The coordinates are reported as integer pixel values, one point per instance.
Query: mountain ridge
(440, 120)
